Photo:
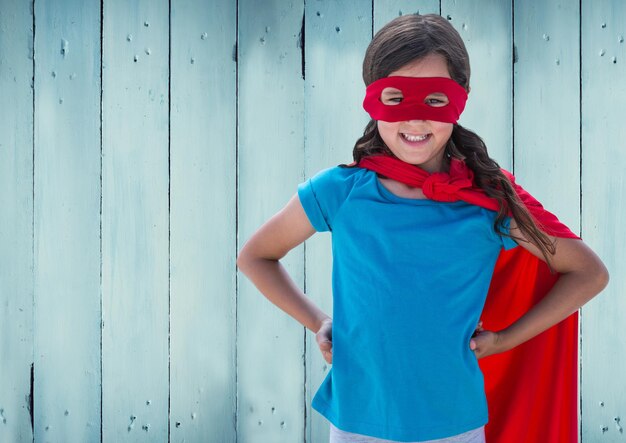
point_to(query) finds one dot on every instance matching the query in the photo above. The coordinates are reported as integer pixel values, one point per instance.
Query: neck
(442, 166)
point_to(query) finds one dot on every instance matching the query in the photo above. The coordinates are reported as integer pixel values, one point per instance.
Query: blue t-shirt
(410, 278)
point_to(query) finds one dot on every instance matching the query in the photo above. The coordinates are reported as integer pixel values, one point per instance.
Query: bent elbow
(597, 274)
(242, 258)
(603, 277)
(242, 262)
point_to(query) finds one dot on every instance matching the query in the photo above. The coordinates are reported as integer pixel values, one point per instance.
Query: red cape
(532, 389)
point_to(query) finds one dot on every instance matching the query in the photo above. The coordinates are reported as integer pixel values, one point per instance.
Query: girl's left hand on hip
(485, 343)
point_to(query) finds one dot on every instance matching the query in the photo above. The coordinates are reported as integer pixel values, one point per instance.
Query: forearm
(570, 292)
(273, 281)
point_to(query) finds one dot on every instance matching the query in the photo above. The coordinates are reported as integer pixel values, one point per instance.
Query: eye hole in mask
(393, 96)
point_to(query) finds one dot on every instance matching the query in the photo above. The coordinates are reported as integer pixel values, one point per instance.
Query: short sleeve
(323, 194)
(507, 242)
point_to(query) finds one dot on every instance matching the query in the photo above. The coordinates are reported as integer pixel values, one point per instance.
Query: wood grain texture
(337, 35)
(135, 221)
(203, 196)
(603, 55)
(547, 118)
(67, 222)
(16, 222)
(270, 344)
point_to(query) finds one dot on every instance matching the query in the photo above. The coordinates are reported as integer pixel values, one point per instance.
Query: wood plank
(336, 38)
(547, 135)
(603, 56)
(135, 227)
(488, 111)
(270, 344)
(203, 221)
(67, 221)
(16, 227)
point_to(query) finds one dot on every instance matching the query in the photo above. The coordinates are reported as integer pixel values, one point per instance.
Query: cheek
(387, 129)
(442, 129)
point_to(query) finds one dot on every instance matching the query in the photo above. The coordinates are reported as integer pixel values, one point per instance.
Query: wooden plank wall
(135, 221)
(16, 221)
(203, 220)
(270, 345)
(66, 222)
(141, 144)
(603, 53)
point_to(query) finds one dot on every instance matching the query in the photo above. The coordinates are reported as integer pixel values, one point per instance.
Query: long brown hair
(411, 37)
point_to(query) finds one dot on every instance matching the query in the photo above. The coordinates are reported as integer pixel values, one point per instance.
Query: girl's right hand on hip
(324, 339)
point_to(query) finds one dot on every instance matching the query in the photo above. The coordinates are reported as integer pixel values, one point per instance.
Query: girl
(422, 225)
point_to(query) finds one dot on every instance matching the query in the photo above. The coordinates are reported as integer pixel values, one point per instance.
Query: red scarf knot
(440, 186)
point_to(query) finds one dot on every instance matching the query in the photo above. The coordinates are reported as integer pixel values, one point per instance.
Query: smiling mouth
(415, 138)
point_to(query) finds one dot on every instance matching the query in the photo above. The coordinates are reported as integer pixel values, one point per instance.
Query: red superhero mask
(413, 105)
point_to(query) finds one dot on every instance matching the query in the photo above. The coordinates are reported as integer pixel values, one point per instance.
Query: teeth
(415, 138)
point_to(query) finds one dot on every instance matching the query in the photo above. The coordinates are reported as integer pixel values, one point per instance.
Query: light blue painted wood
(270, 344)
(603, 209)
(203, 221)
(387, 10)
(135, 225)
(488, 111)
(67, 222)
(16, 229)
(337, 35)
(547, 136)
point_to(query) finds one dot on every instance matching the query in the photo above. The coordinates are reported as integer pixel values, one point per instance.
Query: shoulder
(335, 178)
(338, 172)
(324, 193)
